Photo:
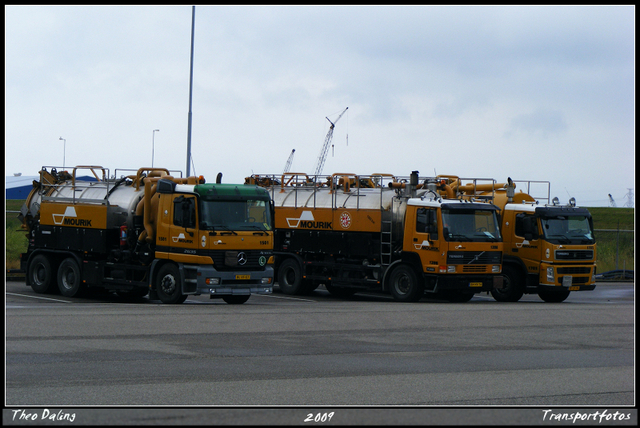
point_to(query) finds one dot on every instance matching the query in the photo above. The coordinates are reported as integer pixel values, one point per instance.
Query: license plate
(475, 284)
(574, 288)
(243, 277)
(567, 280)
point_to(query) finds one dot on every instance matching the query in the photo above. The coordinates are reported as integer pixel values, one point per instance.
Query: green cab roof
(211, 191)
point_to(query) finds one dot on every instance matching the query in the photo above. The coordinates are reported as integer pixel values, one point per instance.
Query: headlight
(495, 269)
(451, 269)
(212, 281)
(550, 276)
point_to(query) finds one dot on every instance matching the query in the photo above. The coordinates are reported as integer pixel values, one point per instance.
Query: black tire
(169, 286)
(554, 296)
(513, 285)
(41, 275)
(69, 278)
(236, 300)
(290, 277)
(404, 285)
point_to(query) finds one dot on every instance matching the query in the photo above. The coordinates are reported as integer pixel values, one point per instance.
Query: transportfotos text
(597, 416)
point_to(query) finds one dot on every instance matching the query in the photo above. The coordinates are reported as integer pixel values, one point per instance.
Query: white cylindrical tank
(121, 198)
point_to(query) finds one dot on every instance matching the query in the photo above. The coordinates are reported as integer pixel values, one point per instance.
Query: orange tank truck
(378, 232)
(549, 248)
(147, 232)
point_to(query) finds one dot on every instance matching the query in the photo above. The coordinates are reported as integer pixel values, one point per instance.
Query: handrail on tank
(52, 181)
(528, 191)
(293, 175)
(105, 172)
(472, 188)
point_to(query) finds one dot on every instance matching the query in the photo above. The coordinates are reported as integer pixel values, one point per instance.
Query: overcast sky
(534, 93)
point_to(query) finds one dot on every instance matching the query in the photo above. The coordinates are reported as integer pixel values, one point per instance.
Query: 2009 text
(319, 417)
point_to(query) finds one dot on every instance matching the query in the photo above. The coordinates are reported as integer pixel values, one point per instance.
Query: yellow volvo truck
(360, 233)
(147, 232)
(549, 249)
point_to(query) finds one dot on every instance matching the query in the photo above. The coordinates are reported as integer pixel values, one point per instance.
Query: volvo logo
(242, 259)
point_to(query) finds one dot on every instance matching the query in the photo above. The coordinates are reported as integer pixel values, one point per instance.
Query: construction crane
(611, 201)
(287, 167)
(327, 141)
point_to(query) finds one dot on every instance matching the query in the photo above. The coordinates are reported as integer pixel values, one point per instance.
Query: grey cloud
(541, 123)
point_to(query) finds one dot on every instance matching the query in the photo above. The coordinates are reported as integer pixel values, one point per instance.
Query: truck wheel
(512, 289)
(290, 277)
(169, 287)
(404, 285)
(69, 279)
(41, 274)
(554, 296)
(235, 300)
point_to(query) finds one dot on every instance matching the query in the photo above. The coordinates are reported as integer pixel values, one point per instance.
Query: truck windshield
(242, 215)
(480, 225)
(568, 229)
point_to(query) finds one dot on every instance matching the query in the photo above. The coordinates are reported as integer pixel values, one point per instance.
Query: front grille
(474, 269)
(474, 258)
(574, 254)
(228, 260)
(574, 270)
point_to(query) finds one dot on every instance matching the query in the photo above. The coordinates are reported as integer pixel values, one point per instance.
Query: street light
(153, 144)
(64, 153)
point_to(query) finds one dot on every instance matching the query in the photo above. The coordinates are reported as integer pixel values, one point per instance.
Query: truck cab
(458, 243)
(221, 237)
(552, 251)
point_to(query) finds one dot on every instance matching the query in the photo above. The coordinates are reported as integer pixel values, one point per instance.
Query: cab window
(426, 220)
(526, 223)
(184, 212)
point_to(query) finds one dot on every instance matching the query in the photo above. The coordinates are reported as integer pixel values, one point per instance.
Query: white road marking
(37, 297)
(286, 298)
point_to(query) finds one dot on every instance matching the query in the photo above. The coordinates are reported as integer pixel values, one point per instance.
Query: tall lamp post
(64, 153)
(153, 145)
(193, 24)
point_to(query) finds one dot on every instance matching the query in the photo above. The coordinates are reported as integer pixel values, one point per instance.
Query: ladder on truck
(386, 235)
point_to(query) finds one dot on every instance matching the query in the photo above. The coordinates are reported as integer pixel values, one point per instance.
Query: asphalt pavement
(289, 360)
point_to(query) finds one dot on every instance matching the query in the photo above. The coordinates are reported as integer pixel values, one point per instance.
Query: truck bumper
(570, 277)
(581, 287)
(218, 283)
(473, 283)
